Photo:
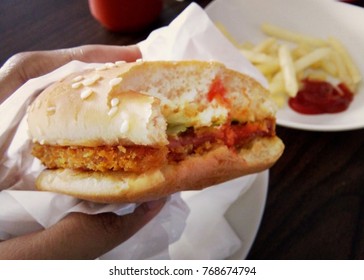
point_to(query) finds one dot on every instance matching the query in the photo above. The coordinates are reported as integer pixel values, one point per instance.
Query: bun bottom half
(193, 173)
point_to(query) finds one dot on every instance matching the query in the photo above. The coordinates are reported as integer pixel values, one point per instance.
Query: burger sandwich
(133, 132)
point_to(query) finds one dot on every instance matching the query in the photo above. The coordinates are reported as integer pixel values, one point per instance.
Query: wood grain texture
(315, 206)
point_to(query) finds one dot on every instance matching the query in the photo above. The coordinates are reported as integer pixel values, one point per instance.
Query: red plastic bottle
(125, 15)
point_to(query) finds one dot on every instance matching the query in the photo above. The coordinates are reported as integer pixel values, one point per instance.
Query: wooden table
(315, 205)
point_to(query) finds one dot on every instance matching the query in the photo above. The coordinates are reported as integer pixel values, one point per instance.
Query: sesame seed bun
(134, 104)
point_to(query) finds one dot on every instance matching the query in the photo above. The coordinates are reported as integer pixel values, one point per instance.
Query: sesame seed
(112, 111)
(88, 82)
(100, 68)
(92, 80)
(51, 109)
(114, 102)
(124, 126)
(42, 142)
(96, 77)
(110, 65)
(115, 81)
(77, 79)
(76, 85)
(121, 62)
(86, 93)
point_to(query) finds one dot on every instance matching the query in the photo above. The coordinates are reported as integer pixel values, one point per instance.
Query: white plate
(245, 215)
(223, 220)
(322, 18)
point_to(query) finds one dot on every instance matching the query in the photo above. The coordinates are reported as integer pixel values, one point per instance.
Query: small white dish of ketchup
(324, 18)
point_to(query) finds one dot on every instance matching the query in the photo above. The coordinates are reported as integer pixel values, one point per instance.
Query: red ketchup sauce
(217, 91)
(319, 97)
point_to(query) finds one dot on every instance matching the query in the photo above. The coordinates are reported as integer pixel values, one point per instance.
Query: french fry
(246, 46)
(329, 67)
(257, 57)
(316, 75)
(311, 58)
(286, 57)
(284, 34)
(343, 74)
(265, 45)
(280, 99)
(276, 84)
(300, 50)
(350, 65)
(288, 70)
(268, 68)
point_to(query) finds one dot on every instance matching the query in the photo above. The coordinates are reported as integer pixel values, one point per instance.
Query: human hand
(80, 236)
(77, 236)
(26, 65)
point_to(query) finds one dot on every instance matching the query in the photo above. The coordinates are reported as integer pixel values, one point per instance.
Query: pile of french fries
(286, 57)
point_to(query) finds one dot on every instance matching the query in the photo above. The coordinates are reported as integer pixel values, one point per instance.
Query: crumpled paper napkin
(183, 223)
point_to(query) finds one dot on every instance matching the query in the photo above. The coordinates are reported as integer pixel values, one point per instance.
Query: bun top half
(134, 103)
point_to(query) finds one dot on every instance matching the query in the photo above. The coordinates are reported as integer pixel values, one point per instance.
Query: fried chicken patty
(138, 159)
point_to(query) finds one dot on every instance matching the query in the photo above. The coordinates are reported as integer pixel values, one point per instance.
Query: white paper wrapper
(23, 209)
(192, 35)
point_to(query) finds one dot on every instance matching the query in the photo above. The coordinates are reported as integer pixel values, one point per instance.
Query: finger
(100, 53)
(27, 65)
(39, 63)
(81, 236)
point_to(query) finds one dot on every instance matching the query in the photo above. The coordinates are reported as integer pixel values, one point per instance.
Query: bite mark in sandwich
(132, 132)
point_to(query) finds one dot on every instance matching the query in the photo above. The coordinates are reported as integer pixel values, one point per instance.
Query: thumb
(81, 236)
(27, 65)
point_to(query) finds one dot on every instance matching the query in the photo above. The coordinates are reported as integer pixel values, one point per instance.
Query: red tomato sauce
(217, 91)
(320, 97)
(230, 134)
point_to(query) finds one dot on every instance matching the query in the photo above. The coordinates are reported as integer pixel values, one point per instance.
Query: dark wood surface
(315, 205)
